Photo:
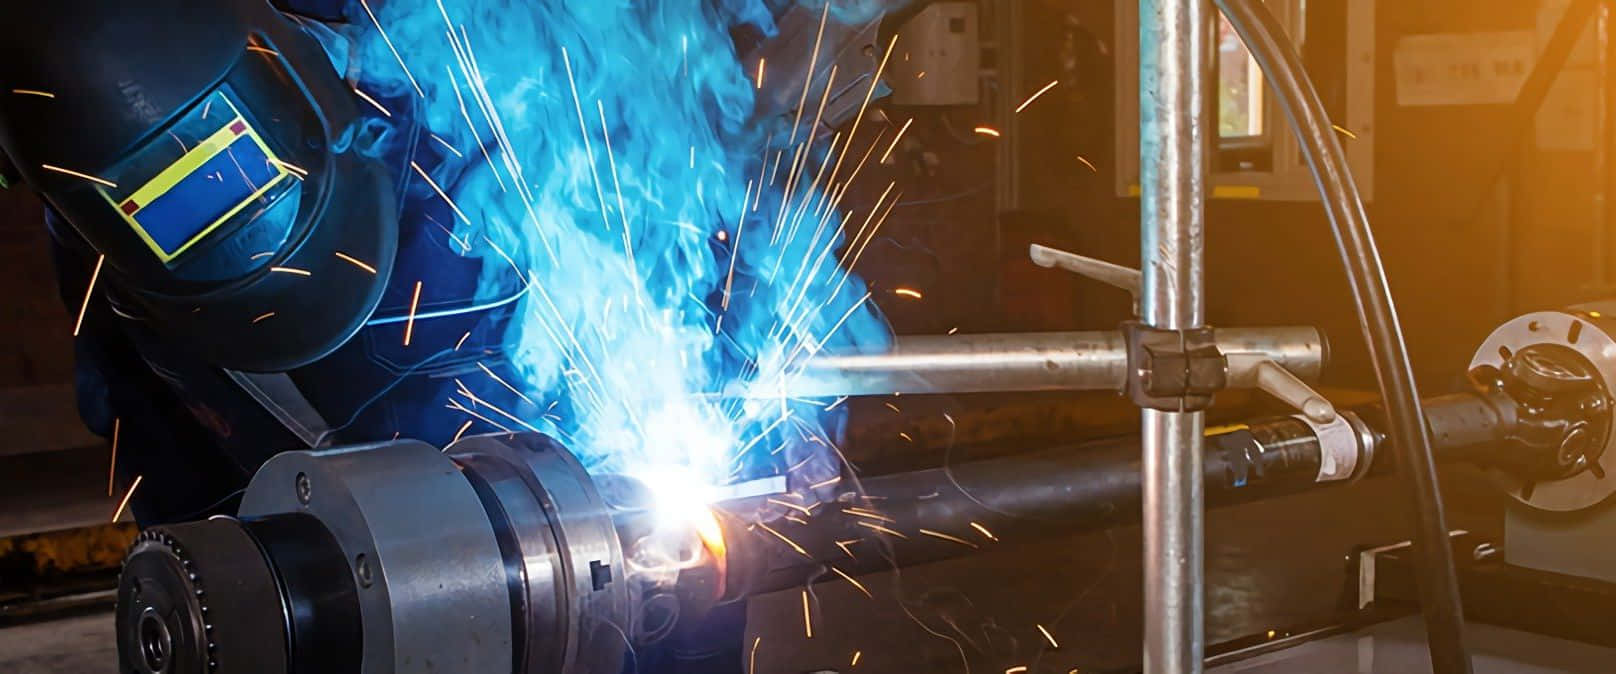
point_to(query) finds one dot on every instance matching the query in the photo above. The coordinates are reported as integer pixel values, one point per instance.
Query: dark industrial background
(1460, 261)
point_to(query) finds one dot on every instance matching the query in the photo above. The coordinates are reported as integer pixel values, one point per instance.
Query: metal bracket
(1257, 370)
(1114, 275)
(1173, 370)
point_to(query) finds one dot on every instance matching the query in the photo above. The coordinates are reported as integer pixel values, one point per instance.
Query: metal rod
(1051, 361)
(1172, 160)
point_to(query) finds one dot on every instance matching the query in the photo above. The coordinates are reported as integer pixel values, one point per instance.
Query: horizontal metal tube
(1043, 493)
(1039, 361)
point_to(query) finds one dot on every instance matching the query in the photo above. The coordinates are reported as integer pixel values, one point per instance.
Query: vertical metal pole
(1172, 160)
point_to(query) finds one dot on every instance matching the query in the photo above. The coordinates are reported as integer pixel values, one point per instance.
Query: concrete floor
(81, 645)
(1398, 647)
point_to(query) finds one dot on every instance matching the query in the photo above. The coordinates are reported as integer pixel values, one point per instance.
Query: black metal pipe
(905, 519)
(1439, 585)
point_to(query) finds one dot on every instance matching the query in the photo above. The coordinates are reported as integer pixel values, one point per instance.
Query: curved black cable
(1438, 585)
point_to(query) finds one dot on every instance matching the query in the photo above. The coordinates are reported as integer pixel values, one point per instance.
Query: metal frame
(1289, 179)
(1174, 35)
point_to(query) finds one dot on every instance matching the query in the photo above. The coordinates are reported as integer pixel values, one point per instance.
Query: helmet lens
(207, 169)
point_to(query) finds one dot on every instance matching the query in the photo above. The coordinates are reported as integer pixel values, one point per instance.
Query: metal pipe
(1060, 491)
(1049, 361)
(1172, 158)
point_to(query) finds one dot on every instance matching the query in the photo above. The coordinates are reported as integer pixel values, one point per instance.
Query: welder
(257, 250)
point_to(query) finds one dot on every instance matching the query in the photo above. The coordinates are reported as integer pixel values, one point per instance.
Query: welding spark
(118, 514)
(476, 137)
(76, 174)
(262, 50)
(263, 316)
(893, 407)
(34, 92)
(984, 531)
(854, 581)
(807, 617)
(440, 192)
(371, 101)
(881, 529)
(455, 405)
(112, 469)
(291, 270)
(355, 262)
(735, 251)
(296, 171)
(843, 545)
(1016, 670)
(953, 330)
(1035, 96)
(826, 483)
(502, 382)
(895, 140)
(409, 323)
(479, 401)
(907, 292)
(382, 32)
(856, 655)
(905, 436)
(1344, 131)
(589, 147)
(1050, 637)
(793, 506)
(987, 131)
(813, 62)
(460, 432)
(760, 73)
(860, 512)
(446, 145)
(752, 668)
(946, 537)
(787, 541)
(88, 293)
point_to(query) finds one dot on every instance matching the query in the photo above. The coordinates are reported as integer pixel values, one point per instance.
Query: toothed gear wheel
(173, 579)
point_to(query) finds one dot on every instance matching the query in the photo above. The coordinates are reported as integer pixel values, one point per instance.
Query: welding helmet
(211, 153)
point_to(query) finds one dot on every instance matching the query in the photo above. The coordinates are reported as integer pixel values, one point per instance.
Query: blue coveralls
(196, 437)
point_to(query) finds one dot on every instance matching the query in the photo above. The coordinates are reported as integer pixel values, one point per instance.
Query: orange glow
(712, 538)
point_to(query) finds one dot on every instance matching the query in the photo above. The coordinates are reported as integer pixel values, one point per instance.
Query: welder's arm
(183, 475)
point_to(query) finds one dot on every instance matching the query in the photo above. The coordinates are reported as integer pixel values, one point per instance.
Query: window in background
(1240, 87)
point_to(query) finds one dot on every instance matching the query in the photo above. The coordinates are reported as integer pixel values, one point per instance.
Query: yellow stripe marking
(212, 146)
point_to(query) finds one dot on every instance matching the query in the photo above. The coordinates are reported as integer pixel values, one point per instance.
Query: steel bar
(1172, 159)
(1050, 361)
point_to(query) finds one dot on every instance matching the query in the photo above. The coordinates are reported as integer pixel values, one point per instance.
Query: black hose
(1438, 585)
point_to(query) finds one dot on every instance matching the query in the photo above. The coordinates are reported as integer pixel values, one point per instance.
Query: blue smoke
(613, 155)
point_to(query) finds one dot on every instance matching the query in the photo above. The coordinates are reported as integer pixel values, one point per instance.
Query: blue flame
(681, 257)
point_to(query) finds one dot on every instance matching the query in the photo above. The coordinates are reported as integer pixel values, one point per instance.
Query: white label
(1338, 448)
(1463, 68)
